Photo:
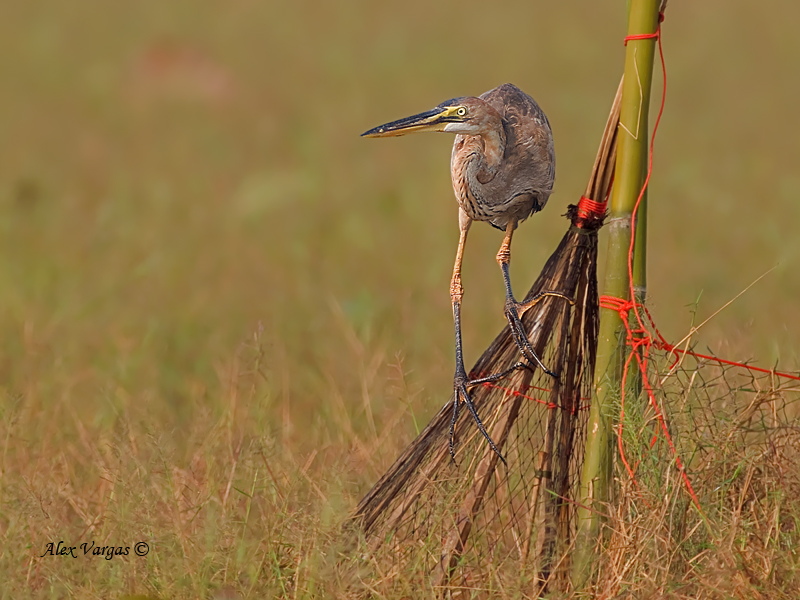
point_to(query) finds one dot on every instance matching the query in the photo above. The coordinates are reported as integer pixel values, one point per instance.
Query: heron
(503, 168)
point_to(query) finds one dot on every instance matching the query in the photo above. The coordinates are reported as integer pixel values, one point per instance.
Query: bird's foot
(514, 311)
(461, 385)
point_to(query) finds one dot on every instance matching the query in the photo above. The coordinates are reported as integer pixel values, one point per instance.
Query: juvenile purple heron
(503, 167)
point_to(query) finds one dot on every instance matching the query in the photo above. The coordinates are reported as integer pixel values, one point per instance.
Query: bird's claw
(513, 311)
(460, 387)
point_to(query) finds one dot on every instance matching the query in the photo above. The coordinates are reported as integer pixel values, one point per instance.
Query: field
(224, 313)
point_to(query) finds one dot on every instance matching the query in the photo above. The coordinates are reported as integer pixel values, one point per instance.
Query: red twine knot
(637, 338)
(617, 304)
(587, 206)
(647, 36)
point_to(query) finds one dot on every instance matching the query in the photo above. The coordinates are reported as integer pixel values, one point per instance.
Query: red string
(641, 36)
(588, 207)
(640, 342)
(624, 306)
(518, 393)
(638, 337)
(646, 36)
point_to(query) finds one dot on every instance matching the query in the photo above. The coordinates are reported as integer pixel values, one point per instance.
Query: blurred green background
(178, 177)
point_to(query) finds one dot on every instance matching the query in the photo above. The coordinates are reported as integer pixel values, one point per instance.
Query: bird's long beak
(431, 120)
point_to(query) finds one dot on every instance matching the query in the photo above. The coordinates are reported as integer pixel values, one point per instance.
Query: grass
(224, 313)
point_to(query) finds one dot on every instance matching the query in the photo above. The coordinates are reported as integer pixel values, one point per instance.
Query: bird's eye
(462, 111)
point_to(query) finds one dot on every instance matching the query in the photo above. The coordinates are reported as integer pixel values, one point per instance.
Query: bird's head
(467, 115)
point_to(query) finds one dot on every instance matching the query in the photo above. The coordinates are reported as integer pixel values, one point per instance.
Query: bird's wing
(530, 154)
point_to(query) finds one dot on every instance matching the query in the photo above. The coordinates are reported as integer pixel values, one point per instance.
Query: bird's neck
(494, 146)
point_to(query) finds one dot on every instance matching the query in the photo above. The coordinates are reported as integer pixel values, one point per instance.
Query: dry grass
(740, 437)
(228, 508)
(219, 500)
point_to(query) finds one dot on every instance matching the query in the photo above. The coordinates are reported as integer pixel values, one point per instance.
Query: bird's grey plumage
(503, 167)
(523, 181)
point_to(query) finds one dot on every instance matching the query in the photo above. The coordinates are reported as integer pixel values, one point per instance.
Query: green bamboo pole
(628, 178)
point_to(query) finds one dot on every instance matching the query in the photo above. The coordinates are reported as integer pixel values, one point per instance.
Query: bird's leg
(514, 310)
(460, 381)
